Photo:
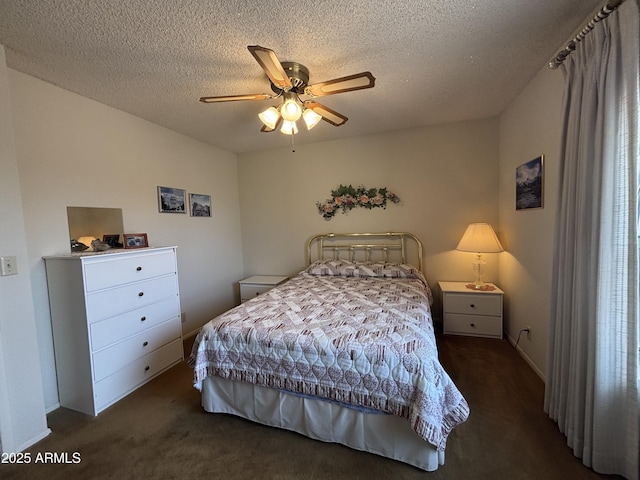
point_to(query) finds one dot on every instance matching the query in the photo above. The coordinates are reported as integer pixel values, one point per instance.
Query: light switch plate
(8, 266)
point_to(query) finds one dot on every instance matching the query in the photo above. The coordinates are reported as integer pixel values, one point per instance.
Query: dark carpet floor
(160, 431)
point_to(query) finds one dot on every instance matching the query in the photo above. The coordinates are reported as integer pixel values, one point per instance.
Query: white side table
(471, 312)
(253, 286)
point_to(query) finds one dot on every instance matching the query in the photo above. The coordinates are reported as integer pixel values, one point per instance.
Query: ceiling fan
(290, 80)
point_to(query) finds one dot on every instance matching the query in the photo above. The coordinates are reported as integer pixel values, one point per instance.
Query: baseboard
(51, 408)
(190, 334)
(34, 440)
(527, 359)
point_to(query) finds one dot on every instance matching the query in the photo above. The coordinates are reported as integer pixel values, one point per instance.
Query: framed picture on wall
(200, 205)
(135, 240)
(530, 184)
(171, 200)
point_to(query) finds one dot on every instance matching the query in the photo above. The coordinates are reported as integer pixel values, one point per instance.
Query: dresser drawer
(473, 304)
(118, 355)
(478, 325)
(107, 303)
(99, 274)
(116, 386)
(114, 329)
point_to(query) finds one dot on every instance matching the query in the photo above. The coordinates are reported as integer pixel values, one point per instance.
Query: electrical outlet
(8, 266)
(528, 328)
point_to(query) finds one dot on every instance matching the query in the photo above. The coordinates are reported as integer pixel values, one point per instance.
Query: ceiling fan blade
(271, 66)
(328, 115)
(342, 84)
(267, 129)
(234, 98)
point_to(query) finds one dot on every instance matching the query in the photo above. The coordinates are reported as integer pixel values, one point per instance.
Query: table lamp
(479, 238)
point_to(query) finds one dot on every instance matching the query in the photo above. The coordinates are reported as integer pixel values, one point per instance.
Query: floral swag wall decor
(346, 198)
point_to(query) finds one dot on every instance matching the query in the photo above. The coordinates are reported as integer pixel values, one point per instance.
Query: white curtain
(592, 368)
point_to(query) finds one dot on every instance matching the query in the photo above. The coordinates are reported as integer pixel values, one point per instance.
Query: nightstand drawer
(473, 304)
(480, 325)
(258, 284)
(249, 291)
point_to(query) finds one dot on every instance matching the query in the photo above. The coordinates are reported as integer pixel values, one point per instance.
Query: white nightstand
(254, 286)
(471, 312)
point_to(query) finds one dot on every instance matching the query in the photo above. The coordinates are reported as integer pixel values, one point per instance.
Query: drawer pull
(472, 325)
(140, 294)
(142, 319)
(473, 305)
(145, 344)
(146, 369)
(138, 269)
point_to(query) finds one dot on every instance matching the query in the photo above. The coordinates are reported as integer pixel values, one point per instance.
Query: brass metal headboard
(387, 247)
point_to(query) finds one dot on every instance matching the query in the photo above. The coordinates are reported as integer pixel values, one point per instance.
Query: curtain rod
(603, 13)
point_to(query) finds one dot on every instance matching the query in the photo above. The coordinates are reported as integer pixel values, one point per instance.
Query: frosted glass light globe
(291, 110)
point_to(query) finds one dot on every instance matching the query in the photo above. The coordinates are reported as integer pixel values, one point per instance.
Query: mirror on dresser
(94, 222)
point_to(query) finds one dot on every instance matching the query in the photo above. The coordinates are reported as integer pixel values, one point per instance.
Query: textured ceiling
(434, 61)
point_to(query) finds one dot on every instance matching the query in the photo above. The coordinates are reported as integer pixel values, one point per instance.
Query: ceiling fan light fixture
(291, 110)
(289, 127)
(288, 81)
(270, 117)
(310, 118)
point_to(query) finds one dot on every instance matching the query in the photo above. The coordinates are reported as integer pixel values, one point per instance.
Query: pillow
(346, 268)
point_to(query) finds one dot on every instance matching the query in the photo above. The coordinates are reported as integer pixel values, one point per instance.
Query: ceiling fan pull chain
(293, 146)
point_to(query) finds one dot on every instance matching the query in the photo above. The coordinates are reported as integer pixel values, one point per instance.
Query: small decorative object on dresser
(254, 286)
(112, 239)
(116, 324)
(135, 240)
(476, 313)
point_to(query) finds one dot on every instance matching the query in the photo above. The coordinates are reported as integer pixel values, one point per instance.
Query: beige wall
(446, 177)
(73, 151)
(530, 126)
(22, 408)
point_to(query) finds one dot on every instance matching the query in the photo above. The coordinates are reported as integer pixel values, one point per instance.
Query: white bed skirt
(386, 435)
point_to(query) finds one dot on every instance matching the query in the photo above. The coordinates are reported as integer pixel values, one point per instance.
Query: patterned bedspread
(357, 334)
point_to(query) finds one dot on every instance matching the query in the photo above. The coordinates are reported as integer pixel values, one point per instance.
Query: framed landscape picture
(530, 184)
(171, 200)
(200, 205)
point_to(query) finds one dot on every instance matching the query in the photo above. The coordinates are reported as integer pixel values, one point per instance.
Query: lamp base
(484, 287)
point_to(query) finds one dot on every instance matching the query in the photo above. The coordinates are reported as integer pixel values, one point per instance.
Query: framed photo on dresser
(135, 240)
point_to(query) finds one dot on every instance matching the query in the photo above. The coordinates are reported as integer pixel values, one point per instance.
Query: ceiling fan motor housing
(298, 74)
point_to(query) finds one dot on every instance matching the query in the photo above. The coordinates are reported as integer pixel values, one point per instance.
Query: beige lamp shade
(480, 238)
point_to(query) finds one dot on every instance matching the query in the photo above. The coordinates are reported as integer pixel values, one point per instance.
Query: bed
(343, 352)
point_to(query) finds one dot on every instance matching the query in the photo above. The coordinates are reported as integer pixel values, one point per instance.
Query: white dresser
(116, 322)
